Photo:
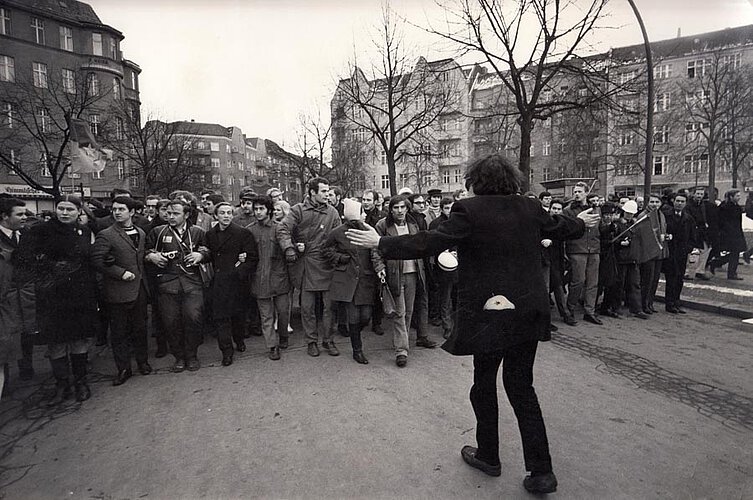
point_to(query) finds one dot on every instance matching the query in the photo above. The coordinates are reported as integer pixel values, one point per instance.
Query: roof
(66, 9)
(211, 129)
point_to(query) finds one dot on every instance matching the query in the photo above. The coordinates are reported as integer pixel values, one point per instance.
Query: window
(403, 180)
(446, 176)
(133, 80)
(563, 146)
(215, 162)
(547, 149)
(8, 114)
(119, 129)
(694, 130)
(662, 71)
(532, 150)
(661, 134)
(92, 84)
(44, 168)
(43, 119)
(546, 95)
(214, 146)
(115, 88)
(13, 161)
(697, 97)
(69, 81)
(660, 165)
(113, 48)
(663, 101)
(458, 175)
(97, 175)
(696, 68)
(66, 38)
(583, 92)
(696, 164)
(73, 175)
(133, 181)
(229, 181)
(94, 124)
(626, 138)
(216, 179)
(40, 75)
(732, 61)
(200, 145)
(97, 44)
(385, 182)
(547, 173)
(121, 168)
(626, 77)
(7, 69)
(227, 148)
(37, 26)
(5, 28)
(229, 164)
(626, 165)
(358, 134)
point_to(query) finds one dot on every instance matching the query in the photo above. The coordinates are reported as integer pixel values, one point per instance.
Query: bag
(206, 270)
(388, 301)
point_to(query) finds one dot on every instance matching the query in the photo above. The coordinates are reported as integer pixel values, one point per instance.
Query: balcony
(103, 64)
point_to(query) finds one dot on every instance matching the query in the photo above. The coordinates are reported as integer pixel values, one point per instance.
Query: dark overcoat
(682, 229)
(18, 315)
(58, 258)
(731, 237)
(498, 240)
(271, 277)
(113, 254)
(354, 279)
(225, 292)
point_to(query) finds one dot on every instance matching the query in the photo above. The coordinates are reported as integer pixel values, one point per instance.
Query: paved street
(642, 409)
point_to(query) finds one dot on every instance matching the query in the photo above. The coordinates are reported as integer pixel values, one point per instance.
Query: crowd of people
(196, 267)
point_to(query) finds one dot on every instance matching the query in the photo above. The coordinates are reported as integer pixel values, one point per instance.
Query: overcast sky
(257, 64)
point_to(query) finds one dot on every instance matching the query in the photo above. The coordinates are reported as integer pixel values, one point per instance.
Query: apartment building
(70, 61)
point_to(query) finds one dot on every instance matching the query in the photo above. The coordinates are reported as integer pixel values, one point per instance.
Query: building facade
(58, 58)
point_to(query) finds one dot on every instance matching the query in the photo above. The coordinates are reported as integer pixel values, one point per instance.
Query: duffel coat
(113, 254)
(58, 257)
(502, 300)
(226, 287)
(354, 279)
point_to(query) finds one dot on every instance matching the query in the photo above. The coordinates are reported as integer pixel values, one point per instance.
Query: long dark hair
(492, 175)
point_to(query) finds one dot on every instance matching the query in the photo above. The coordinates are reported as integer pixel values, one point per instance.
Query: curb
(722, 308)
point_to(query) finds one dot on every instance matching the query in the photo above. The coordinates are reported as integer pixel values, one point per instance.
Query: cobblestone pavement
(635, 409)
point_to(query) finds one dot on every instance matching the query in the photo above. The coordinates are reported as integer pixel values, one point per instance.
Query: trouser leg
(734, 261)
(377, 314)
(578, 280)
(591, 284)
(485, 405)
(399, 322)
(354, 326)
(192, 308)
(421, 309)
(282, 311)
(326, 326)
(633, 288)
(267, 316)
(411, 282)
(308, 316)
(517, 378)
(647, 279)
(445, 309)
(224, 330)
(654, 281)
(237, 327)
(170, 310)
(120, 316)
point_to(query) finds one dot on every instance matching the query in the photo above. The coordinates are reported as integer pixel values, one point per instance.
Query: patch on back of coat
(498, 303)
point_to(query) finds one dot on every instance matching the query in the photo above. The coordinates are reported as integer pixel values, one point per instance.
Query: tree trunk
(391, 173)
(712, 168)
(524, 164)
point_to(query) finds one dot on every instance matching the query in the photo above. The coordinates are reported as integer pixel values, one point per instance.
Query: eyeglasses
(419, 202)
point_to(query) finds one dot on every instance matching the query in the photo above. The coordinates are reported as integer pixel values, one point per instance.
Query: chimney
(193, 121)
(679, 32)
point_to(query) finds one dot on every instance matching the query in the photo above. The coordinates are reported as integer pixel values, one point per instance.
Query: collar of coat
(309, 204)
(392, 228)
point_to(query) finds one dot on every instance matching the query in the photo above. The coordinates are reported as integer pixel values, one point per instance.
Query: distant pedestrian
(680, 231)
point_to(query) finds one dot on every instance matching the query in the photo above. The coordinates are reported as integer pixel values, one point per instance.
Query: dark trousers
(629, 282)
(673, 289)
(517, 379)
(649, 281)
(230, 330)
(128, 330)
(182, 319)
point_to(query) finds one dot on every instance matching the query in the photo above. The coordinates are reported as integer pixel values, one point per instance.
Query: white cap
(406, 190)
(630, 207)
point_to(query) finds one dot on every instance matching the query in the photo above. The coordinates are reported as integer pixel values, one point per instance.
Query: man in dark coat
(118, 254)
(373, 215)
(503, 307)
(705, 234)
(233, 255)
(680, 228)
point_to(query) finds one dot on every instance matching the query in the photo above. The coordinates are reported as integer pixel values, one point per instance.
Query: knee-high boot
(78, 367)
(62, 382)
(355, 343)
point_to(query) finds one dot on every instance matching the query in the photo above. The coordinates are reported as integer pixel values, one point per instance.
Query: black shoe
(227, 359)
(592, 319)
(179, 366)
(284, 343)
(343, 330)
(640, 315)
(145, 368)
(672, 310)
(610, 313)
(240, 346)
(193, 364)
(62, 392)
(331, 348)
(161, 352)
(553, 328)
(569, 320)
(735, 277)
(680, 311)
(647, 310)
(469, 456)
(401, 360)
(122, 376)
(313, 350)
(541, 483)
(702, 277)
(82, 391)
(425, 342)
(360, 358)
(652, 309)
(274, 353)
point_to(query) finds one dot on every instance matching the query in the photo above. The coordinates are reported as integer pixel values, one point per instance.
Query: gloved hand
(290, 255)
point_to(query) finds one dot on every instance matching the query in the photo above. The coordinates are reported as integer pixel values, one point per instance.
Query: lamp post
(650, 109)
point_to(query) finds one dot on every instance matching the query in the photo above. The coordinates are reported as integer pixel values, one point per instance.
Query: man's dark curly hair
(492, 175)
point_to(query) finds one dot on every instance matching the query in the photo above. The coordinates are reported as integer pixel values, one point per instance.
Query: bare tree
(163, 156)
(35, 132)
(534, 68)
(397, 101)
(349, 166)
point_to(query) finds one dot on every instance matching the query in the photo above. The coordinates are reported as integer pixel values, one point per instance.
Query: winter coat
(731, 237)
(502, 300)
(271, 277)
(113, 254)
(354, 279)
(441, 275)
(309, 223)
(19, 303)
(177, 277)
(588, 243)
(682, 229)
(393, 265)
(229, 278)
(57, 257)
